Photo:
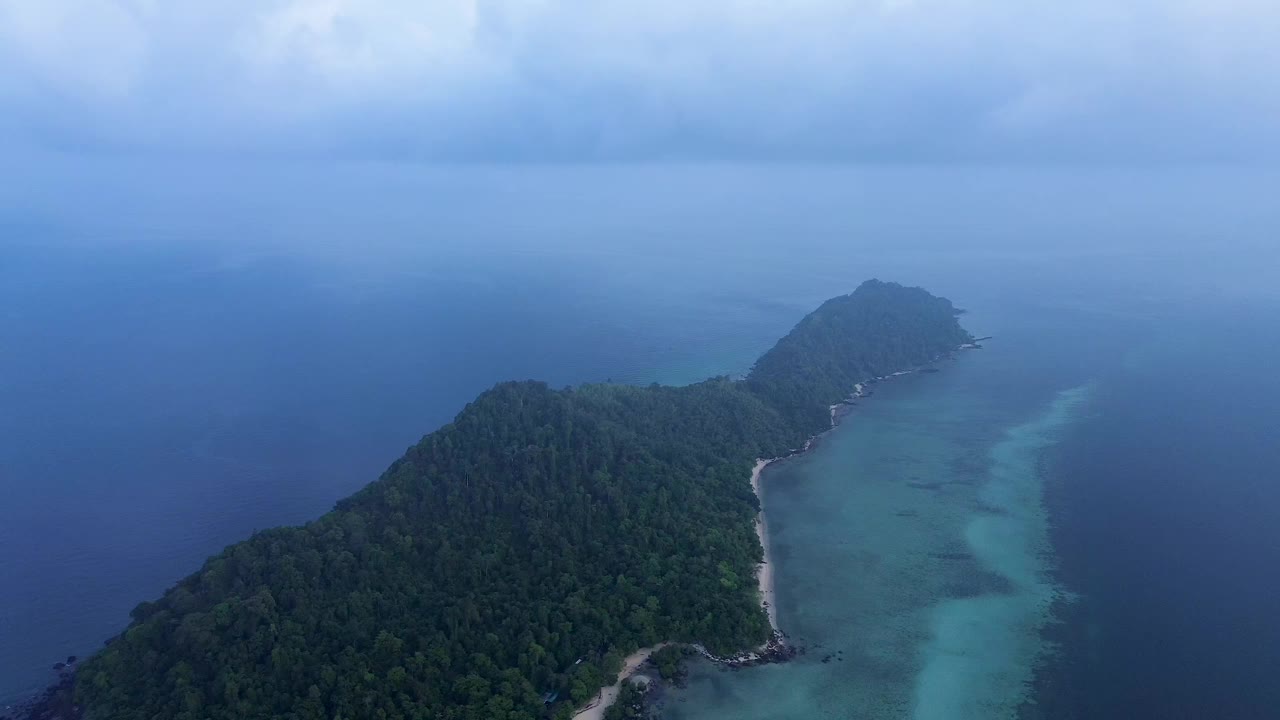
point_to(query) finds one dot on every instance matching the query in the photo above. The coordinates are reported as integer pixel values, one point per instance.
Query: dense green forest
(516, 554)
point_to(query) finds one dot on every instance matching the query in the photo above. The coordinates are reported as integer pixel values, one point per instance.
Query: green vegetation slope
(516, 554)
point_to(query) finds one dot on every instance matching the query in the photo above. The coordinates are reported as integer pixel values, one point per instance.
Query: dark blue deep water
(188, 360)
(1166, 501)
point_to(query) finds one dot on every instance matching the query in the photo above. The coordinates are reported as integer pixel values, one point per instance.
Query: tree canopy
(508, 561)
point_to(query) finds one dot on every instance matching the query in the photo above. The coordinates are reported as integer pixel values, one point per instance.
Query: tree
(516, 553)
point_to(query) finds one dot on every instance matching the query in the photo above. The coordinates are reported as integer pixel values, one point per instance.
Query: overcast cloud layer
(892, 80)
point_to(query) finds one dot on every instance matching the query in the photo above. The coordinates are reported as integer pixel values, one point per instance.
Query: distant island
(509, 562)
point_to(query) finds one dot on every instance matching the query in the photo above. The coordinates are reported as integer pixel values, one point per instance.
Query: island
(513, 561)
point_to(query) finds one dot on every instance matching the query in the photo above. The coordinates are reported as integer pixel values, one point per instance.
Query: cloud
(94, 48)
(608, 79)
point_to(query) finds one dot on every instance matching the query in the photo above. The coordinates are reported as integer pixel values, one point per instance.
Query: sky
(652, 80)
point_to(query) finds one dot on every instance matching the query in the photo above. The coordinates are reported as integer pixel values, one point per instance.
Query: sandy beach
(597, 708)
(765, 574)
(764, 577)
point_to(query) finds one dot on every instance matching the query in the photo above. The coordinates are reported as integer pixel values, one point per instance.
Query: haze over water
(184, 360)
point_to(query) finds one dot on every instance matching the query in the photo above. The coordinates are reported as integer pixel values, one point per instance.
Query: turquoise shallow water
(188, 359)
(1076, 522)
(912, 551)
(985, 641)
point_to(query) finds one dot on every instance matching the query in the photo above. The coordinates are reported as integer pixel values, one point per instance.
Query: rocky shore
(643, 693)
(777, 650)
(57, 702)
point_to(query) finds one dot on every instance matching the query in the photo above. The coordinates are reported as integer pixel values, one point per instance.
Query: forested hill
(539, 529)
(878, 329)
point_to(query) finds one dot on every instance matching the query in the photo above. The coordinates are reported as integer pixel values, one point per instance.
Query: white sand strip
(765, 574)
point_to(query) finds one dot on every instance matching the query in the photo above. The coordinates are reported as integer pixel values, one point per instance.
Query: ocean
(1075, 521)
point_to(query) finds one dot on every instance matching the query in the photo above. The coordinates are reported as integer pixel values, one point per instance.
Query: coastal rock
(777, 650)
(55, 703)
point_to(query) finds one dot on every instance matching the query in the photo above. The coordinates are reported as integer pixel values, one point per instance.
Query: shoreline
(764, 573)
(55, 701)
(607, 696)
(775, 649)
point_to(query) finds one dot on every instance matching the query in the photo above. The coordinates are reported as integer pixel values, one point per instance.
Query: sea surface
(1077, 521)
